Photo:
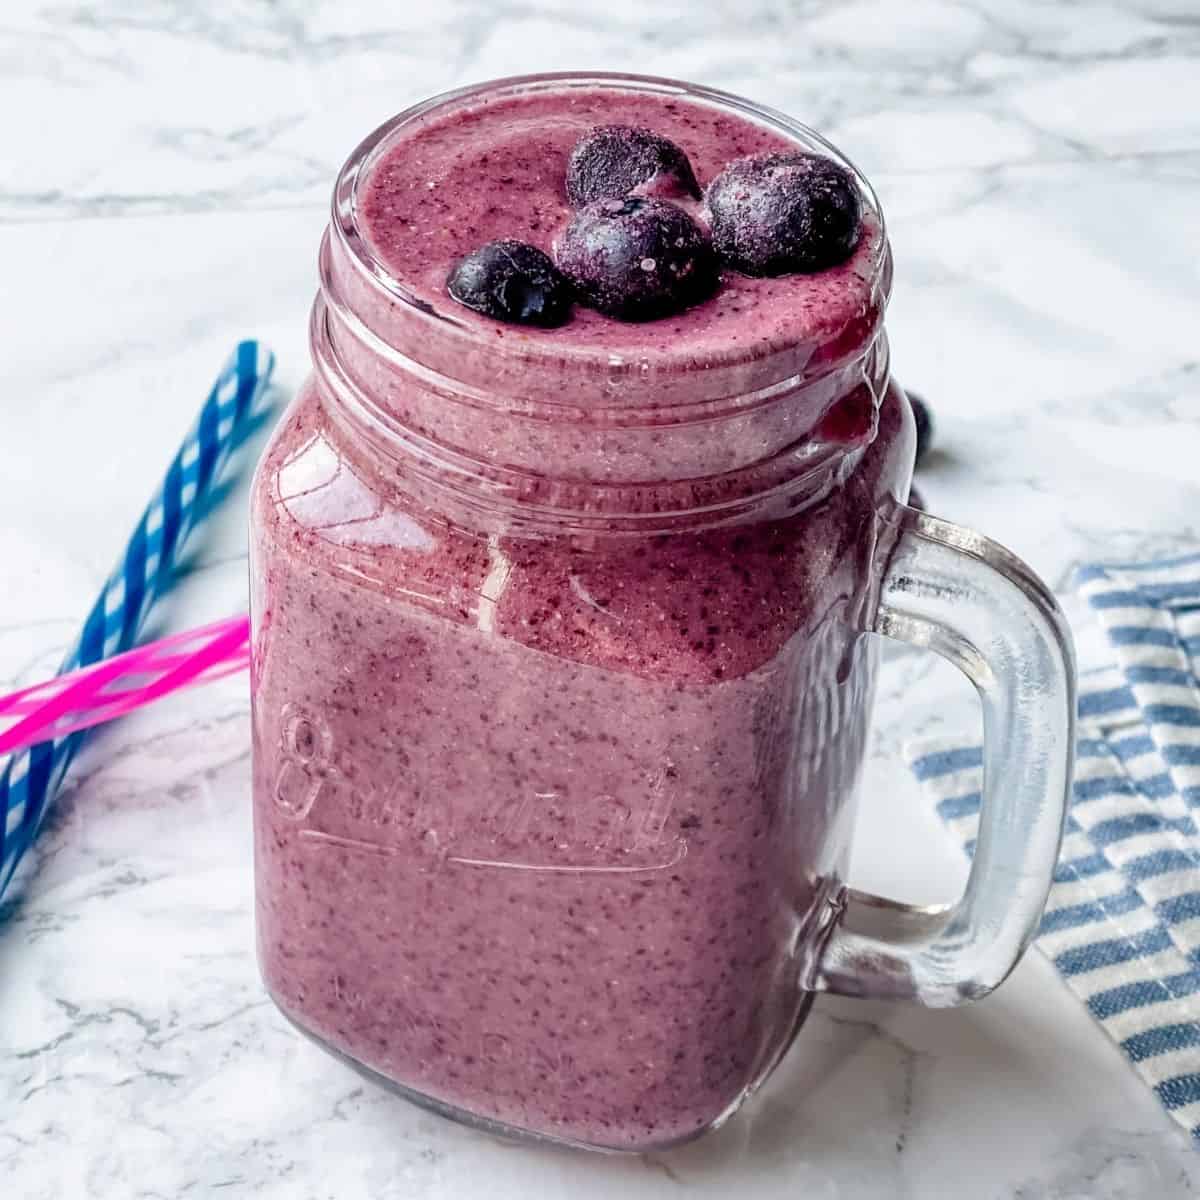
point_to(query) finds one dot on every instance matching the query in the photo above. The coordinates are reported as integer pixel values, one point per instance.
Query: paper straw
(30, 779)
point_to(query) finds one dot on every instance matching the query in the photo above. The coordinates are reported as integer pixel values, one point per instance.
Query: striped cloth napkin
(1122, 924)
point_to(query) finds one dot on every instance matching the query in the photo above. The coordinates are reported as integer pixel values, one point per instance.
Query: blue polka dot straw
(30, 779)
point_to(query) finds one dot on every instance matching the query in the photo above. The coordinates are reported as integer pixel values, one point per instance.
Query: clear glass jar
(561, 690)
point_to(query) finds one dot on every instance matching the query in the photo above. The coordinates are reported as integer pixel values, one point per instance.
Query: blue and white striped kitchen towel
(1123, 920)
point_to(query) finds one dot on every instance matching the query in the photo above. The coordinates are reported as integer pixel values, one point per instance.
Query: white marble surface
(166, 169)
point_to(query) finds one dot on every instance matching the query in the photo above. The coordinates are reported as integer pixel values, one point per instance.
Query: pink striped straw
(116, 686)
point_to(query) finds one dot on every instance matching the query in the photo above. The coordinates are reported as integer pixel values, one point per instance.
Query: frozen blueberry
(512, 281)
(614, 160)
(924, 420)
(774, 214)
(637, 258)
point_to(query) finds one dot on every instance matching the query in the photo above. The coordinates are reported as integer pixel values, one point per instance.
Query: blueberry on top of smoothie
(775, 214)
(614, 160)
(637, 258)
(513, 282)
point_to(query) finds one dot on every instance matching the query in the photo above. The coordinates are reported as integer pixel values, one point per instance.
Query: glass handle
(982, 608)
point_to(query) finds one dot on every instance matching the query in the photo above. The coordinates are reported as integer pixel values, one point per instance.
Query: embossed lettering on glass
(564, 650)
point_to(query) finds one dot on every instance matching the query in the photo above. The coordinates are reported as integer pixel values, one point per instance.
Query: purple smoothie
(559, 693)
(496, 169)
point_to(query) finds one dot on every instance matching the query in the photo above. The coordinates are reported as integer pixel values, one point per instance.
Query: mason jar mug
(564, 646)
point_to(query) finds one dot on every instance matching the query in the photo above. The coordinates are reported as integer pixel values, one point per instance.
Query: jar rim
(731, 374)
(459, 483)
